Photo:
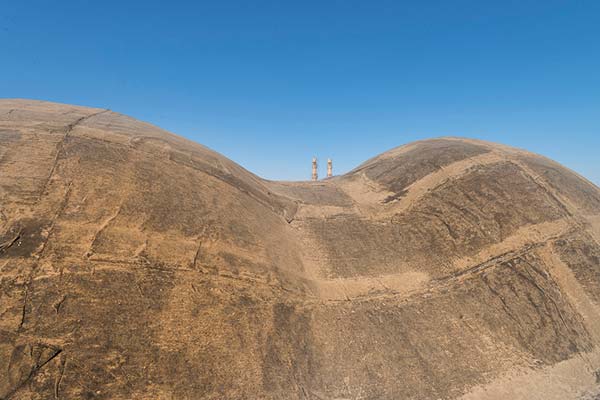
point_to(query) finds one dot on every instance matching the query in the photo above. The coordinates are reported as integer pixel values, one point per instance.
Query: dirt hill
(135, 264)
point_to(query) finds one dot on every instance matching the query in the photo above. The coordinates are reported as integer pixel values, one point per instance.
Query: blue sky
(272, 83)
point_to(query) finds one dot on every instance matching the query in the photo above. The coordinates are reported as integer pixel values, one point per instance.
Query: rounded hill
(135, 264)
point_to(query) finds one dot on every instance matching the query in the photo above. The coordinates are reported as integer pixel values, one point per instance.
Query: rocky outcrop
(135, 264)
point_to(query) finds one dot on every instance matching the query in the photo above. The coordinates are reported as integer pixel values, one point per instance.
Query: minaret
(315, 175)
(329, 168)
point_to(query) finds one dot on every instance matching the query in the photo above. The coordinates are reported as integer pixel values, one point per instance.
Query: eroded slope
(137, 265)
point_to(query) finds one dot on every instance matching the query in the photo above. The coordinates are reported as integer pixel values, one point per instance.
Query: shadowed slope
(137, 264)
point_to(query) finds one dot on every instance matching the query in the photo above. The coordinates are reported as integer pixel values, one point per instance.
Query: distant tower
(315, 175)
(329, 168)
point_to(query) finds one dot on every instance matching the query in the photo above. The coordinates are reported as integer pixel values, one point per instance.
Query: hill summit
(135, 264)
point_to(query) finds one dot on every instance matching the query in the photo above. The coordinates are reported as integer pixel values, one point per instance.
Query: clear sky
(272, 83)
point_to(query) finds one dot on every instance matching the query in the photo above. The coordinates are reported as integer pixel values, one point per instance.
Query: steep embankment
(137, 264)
